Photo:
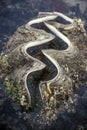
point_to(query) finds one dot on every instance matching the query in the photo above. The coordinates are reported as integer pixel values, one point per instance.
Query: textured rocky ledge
(42, 66)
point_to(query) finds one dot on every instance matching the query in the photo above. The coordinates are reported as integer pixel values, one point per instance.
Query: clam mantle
(44, 62)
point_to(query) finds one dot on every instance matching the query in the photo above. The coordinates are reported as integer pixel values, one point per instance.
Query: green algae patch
(17, 93)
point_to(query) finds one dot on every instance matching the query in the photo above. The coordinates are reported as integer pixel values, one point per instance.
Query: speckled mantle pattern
(17, 64)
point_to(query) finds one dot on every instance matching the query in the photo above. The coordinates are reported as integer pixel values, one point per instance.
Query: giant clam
(40, 70)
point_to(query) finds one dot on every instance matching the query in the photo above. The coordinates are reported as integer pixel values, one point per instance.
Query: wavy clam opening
(34, 79)
(42, 65)
(46, 76)
(37, 65)
(41, 43)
